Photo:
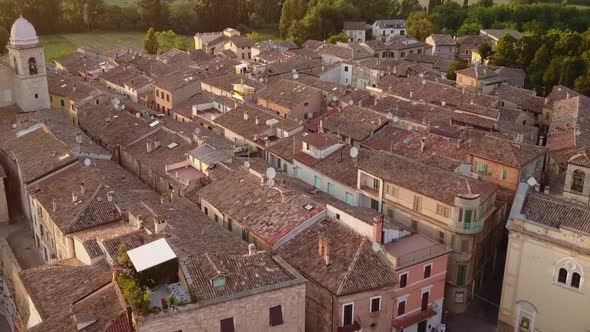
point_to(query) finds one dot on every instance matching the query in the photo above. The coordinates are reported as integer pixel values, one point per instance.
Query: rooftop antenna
(354, 152)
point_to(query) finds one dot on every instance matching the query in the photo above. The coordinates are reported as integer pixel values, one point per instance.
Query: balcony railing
(370, 190)
(469, 227)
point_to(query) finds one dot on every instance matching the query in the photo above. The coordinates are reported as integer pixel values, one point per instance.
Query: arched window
(562, 277)
(32, 66)
(578, 179)
(576, 280)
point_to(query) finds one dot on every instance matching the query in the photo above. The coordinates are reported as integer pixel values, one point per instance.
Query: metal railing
(469, 227)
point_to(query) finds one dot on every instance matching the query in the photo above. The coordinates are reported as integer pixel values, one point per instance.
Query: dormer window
(578, 180)
(219, 282)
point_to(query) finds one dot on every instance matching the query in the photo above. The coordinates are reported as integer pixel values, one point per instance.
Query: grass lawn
(63, 44)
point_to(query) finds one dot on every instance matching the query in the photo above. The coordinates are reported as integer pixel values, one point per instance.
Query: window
(219, 282)
(424, 305)
(417, 203)
(349, 199)
(441, 237)
(403, 280)
(206, 210)
(414, 225)
(374, 204)
(346, 69)
(391, 190)
(347, 314)
(467, 217)
(167, 97)
(375, 304)
(230, 225)
(461, 274)
(62, 102)
(525, 323)
(427, 271)
(275, 316)
(538, 164)
(562, 277)
(331, 188)
(317, 181)
(442, 210)
(227, 325)
(32, 66)
(401, 307)
(298, 172)
(578, 179)
(419, 51)
(216, 218)
(36, 96)
(376, 184)
(576, 280)
(503, 175)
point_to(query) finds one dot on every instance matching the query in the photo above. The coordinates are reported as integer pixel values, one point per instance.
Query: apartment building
(291, 99)
(443, 46)
(385, 30)
(356, 31)
(458, 212)
(176, 88)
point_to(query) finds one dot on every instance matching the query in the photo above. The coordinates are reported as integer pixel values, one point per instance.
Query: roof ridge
(351, 266)
(85, 205)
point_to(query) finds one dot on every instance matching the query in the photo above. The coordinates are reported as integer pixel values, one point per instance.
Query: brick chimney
(79, 138)
(324, 249)
(422, 144)
(74, 197)
(109, 196)
(149, 144)
(82, 189)
(54, 203)
(378, 229)
(251, 249)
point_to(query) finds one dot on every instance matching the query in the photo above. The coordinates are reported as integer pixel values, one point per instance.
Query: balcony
(370, 190)
(469, 227)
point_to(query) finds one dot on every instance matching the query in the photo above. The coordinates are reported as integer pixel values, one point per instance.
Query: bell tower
(28, 63)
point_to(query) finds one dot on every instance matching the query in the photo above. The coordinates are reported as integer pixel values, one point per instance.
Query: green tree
(485, 3)
(433, 4)
(255, 36)
(484, 50)
(168, 40)
(154, 13)
(182, 17)
(150, 43)
(408, 6)
(553, 72)
(571, 68)
(448, 16)
(582, 84)
(569, 44)
(457, 64)
(419, 25)
(469, 29)
(339, 37)
(506, 52)
(4, 37)
(293, 10)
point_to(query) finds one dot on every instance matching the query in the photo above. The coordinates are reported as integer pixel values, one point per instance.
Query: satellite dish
(354, 152)
(395, 119)
(14, 125)
(261, 80)
(271, 173)
(295, 76)
(247, 164)
(270, 182)
(123, 107)
(382, 74)
(116, 102)
(578, 132)
(197, 131)
(423, 82)
(389, 115)
(376, 247)
(294, 70)
(137, 115)
(87, 162)
(350, 102)
(410, 128)
(532, 182)
(334, 98)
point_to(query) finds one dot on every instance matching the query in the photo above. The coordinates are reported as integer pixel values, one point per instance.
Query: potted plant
(164, 304)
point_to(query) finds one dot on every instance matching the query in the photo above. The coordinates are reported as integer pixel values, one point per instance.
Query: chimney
(360, 103)
(422, 144)
(538, 187)
(459, 143)
(321, 126)
(149, 145)
(443, 103)
(74, 197)
(378, 229)
(110, 196)
(156, 144)
(541, 140)
(324, 249)
(245, 115)
(375, 101)
(54, 205)
(251, 249)
(79, 137)
(256, 120)
(194, 112)
(82, 189)
(139, 221)
(163, 199)
(411, 94)
(75, 88)
(546, 191)
(160, 224)
(567, 95)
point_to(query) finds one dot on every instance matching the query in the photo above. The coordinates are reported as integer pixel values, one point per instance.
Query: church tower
(28, 63)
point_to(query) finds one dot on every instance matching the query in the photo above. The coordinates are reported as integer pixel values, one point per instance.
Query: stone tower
(28, 63)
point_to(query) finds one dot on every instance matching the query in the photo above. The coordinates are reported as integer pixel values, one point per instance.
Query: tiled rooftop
(507, 152)
(556, 213)
(353, 267)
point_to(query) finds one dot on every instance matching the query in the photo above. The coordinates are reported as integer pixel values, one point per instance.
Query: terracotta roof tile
(556, 213)
(507, 152)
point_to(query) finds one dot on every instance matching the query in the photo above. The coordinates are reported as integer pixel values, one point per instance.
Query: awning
(150, 255)
(415, 318)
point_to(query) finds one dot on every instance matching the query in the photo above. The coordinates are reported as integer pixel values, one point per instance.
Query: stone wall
(250, 314)
(9, 269)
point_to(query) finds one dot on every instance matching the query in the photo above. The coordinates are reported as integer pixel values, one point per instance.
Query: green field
(63, 44)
